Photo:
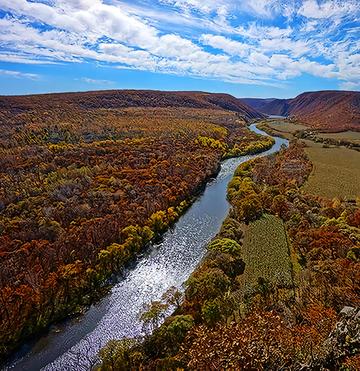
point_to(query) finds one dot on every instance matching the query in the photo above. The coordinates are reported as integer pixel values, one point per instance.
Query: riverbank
(79, 209)
(116, 248)
(277, 323)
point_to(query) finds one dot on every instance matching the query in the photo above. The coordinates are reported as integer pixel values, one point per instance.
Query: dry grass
(351, 136)
(336, 171)
(266, 253)
(286, 127)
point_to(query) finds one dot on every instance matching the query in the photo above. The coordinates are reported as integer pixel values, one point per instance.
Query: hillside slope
(112, 99)
(270, 106)
(326, 110)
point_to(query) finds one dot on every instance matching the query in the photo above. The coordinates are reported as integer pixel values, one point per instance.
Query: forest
(85, 187)
(231, 317)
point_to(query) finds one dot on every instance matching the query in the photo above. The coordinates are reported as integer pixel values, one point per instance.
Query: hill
(326, 110)
(113, 99)
(271, 106)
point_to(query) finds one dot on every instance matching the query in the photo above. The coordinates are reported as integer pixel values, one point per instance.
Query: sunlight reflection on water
(167, 264)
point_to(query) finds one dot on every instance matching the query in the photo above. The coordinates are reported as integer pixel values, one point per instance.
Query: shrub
(178, 328)
(231, 265)
(231, 228)
(211, 312)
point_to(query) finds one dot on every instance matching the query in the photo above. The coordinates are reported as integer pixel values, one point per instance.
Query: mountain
(271, 106)
(326, 110)
(113, 99)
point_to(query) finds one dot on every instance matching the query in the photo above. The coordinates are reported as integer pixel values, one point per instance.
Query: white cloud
(328, 8)
(89, 80)
(24, 59)
(114, 33)
(255, 31)
(198, 5)
(19, 75)
(231, 47)
(349, 85)
(297, 48)
(91, 19)
(293, 68)
(261, 8)
(258, 59)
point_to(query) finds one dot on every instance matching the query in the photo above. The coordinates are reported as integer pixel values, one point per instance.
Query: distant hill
(328, 110)
(113, 99)
(271, 106)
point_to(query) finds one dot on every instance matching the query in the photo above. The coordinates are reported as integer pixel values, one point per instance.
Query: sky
(248, 48)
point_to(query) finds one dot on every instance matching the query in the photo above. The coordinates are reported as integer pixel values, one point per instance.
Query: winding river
(73, 345)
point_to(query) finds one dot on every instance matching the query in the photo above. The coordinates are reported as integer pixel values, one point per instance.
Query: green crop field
(336, 171)
(266, 253)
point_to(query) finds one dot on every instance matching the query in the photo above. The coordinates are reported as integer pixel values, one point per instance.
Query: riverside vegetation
(238, 313)
(86, 183)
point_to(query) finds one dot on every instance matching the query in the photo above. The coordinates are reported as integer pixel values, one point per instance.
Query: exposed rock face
(342, 343)
(345, 339)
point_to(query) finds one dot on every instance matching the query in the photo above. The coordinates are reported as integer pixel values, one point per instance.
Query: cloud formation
(261, 42)
(89, 80)
(19, 75)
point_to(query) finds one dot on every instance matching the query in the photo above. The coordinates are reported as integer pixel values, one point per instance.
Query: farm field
(286, 127)
(351, 136)
(281, 128)
(336, 171)
(266, 254)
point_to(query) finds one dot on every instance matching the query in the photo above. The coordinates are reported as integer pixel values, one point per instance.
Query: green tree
(210, 312)
(225, 245)
(152, 315)
(116, 355)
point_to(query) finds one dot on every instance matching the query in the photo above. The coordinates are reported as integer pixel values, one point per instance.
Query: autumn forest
(88, 181)
(83, 189)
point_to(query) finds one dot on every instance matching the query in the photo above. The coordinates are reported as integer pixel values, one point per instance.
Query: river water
(73, 345)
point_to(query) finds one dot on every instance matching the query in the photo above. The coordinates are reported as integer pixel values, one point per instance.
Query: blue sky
(248, 48)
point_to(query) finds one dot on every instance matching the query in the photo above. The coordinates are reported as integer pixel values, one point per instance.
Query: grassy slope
(266, 253)
(331, 110)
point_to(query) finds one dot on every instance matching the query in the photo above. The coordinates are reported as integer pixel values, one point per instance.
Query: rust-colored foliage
(76, 170)
(325, 110)
(274, 327)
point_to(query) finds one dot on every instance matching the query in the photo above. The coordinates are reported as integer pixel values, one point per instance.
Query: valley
(298, 282)
(179, 185)
(330, 111)
(134, 220)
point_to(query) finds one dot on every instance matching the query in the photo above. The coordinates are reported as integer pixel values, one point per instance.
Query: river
(73, 344)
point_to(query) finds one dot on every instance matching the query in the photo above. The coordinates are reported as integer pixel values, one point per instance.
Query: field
(302, 256)
(336, 171)
(350, 136)
(286, 127)
(266, 253)
(282, 128)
